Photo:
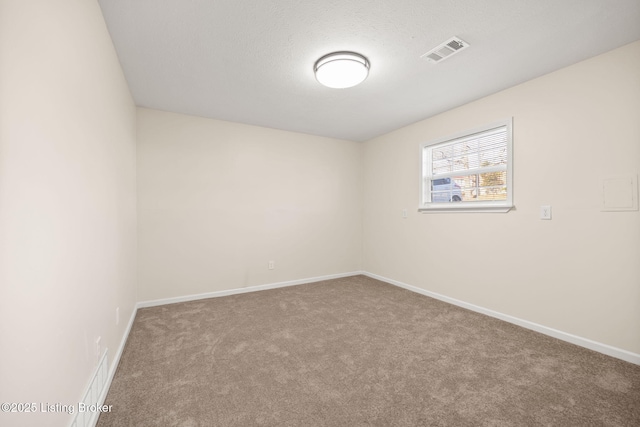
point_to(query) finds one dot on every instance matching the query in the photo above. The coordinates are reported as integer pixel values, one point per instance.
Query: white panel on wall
(620, 193)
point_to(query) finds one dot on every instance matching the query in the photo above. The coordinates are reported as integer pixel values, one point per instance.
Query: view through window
(468, 171)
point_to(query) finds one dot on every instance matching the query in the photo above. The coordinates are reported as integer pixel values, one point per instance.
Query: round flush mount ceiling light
(340, 70)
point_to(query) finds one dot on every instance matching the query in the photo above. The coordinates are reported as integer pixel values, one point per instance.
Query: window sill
(460, 208)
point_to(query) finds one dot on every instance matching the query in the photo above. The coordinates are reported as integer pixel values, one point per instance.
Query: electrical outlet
(117, 316)
(272, 265)
(545, 212)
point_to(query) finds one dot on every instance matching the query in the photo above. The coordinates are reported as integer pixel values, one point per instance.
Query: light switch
(545, 212)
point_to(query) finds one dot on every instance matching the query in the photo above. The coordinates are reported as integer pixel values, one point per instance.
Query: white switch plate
(404, 213)
(272, 265)
(545, 212)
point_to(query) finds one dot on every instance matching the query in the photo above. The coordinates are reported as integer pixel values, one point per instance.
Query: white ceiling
(251, 61)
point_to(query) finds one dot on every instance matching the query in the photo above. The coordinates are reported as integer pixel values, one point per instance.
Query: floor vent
(445, 50)
(86, 415)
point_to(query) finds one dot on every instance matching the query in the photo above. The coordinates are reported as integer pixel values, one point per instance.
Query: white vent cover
(445, 50)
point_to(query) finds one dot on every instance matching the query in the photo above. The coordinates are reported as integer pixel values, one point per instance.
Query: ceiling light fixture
(340, 70)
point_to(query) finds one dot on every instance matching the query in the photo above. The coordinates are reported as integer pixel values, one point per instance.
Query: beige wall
(217, 201)
(67, 202)
(578, 273)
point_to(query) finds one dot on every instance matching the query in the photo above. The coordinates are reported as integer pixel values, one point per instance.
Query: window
(469, 172)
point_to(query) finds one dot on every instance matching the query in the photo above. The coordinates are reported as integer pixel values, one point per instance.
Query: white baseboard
(93, 396)
(118, 354)
(564, 336)
(100, 383)
(227, 292)
(112, 372)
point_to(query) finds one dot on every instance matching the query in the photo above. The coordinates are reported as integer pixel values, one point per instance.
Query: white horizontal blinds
(476, 165)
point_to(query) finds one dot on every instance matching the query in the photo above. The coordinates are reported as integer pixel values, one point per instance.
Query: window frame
(426, 176)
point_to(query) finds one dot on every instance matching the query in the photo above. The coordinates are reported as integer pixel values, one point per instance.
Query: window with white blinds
(470, 171)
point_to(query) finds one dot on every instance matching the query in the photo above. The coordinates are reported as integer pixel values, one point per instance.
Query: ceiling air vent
(445, 50)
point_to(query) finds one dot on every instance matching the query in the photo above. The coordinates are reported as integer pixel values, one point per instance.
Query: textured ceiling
(251, 61)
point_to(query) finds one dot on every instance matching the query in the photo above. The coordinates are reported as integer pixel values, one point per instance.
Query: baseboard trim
(91, 418)
(235, 291)
(123, 343)
(564, 336)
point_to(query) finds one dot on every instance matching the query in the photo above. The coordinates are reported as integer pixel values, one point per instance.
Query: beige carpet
(357, 352)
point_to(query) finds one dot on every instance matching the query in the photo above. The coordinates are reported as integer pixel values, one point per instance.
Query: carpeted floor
(357, 352)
